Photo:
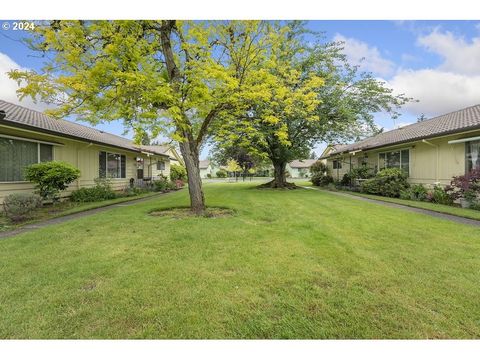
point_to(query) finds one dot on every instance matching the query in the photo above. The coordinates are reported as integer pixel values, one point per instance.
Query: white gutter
(464, 140)
(354, 152)
(31, 140)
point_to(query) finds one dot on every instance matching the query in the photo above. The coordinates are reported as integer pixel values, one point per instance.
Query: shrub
(179, 183)
(209, 176)
(161, 185)
(361, 172)
(319, 167)
(440, 196)
(133, 191)
(319, 179)
(346, 180)
(221, 174)
(101, 191)
(178, 172)
(466, 187)
(416, 192)
(387, 182)
(19, 206)
(51, 177)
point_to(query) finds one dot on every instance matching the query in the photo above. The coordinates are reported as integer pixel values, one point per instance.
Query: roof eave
(15, 124)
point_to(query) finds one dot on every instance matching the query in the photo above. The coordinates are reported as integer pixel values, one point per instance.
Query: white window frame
(38, 142)
(395, 150)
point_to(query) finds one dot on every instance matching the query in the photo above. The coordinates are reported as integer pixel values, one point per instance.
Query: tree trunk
(190, 156)
(279, 178)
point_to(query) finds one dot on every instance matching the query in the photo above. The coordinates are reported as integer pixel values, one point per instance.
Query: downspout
(350, 170)
(438, 158)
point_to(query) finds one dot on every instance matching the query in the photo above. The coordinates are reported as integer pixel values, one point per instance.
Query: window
(472, 152)
(111, 165)
(16, 155)
(160, 165)
(337, 164)
(399, 159)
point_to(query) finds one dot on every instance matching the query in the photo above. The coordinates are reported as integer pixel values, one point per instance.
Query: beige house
(300, 168)
(205, 168)
(431, 151)
(28, 136)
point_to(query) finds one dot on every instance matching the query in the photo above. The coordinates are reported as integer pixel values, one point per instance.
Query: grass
(287, 264)
(444, 209)
(65, 208)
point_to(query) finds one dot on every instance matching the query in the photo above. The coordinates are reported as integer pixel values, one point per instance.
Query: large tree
(170, 77)
(315, 96)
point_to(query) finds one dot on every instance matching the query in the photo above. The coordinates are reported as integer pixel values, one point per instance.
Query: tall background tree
(315, 96)
(170, 77)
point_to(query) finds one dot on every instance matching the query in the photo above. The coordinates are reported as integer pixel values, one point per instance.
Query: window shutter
(102, 164)
(123, 167)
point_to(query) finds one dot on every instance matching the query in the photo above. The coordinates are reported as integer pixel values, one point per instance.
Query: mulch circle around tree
(185, 212)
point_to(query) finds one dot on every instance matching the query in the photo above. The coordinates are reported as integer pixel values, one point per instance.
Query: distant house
(175, 157)
(300, 168)
(28, 137)
(430, 151)
(205, 168)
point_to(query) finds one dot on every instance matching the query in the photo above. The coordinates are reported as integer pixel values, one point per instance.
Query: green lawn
(65, 208)
(289, 264)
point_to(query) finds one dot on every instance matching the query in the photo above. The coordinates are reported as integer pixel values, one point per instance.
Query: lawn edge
(73, 211)
(412, 204)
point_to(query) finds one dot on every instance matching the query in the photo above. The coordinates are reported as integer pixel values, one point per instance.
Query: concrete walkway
(62, 219)
(454, 218)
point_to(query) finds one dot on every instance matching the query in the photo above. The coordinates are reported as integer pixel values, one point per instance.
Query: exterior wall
(295, 172)
(150, 166)
(82, 155)
(205, 171)
(432, 162)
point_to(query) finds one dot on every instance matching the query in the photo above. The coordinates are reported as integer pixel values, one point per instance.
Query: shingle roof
(20, 116)
(301, 164)
(451, 123)
(203, 164)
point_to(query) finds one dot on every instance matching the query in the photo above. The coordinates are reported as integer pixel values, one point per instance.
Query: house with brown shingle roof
(28, 136)
(300, 168)
(431, 151)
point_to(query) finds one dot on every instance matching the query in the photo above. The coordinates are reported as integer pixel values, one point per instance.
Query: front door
(140, 168)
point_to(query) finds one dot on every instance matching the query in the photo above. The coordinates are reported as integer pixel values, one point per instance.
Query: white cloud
(409, 58)
(438, 91)
(454, 84)
(459, 56)
(369, 58)
(9, 87)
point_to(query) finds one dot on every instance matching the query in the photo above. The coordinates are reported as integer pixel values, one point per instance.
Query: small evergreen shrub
(101, 191)
(20, 206)
(387, 182)
(221, 174)
(51, 177)
(440, 196)
(178, 172)
(161, 185)
(416, 192)
(319, 179)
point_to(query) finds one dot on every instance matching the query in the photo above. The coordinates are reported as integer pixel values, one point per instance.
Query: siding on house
(84, 156)
(435, 161)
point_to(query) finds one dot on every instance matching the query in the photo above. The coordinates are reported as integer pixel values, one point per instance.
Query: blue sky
(436, 62)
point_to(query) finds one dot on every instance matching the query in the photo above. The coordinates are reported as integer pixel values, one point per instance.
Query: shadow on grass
(182, 212)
